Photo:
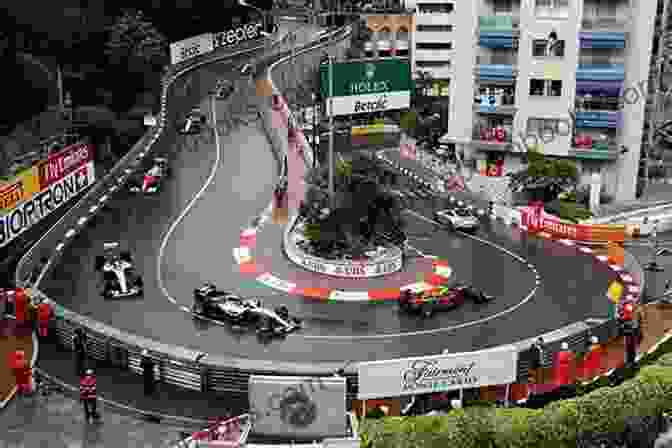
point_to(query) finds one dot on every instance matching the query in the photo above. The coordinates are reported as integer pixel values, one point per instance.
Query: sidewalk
(13, 338)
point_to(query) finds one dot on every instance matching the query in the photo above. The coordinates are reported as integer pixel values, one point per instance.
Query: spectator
(44, 313)
(23, 373)
(79, 344)
(537, 362)
(87, 393)
(147, 372)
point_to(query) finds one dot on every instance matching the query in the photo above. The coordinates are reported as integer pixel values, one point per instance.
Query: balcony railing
(498, 31)
(501, 104)
(607, 119)
(492, 139)
(584, 147)
(496, 72)
(600, 72)
(602, 39)
(600, 23)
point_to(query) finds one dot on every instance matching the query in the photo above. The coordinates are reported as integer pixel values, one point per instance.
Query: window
(433, 64)
(440, 28)
(435, 46)
(435, 8)
(543, 47)
(503, 7)
(544, 87)
(552, 8)
(545, 128)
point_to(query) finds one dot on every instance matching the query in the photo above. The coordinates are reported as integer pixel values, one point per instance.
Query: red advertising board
(536, 220)
(64, 162)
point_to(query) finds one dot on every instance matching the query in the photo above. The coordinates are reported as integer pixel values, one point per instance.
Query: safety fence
(191, 369)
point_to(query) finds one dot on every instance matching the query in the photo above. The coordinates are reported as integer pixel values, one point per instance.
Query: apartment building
(568, 77)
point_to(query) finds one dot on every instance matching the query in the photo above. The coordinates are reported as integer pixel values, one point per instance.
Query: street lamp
(313, 97)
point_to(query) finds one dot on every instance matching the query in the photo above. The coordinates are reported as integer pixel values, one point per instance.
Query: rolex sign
(358, 88)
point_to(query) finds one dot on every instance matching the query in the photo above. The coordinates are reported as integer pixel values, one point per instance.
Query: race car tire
(427, 312)
(139, 282)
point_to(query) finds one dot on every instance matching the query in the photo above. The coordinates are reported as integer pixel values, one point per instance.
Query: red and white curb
(440, 273)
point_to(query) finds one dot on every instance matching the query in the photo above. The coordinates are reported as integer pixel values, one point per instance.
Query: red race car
(442, 298)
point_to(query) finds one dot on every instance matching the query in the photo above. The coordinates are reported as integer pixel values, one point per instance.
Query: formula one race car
(192, 123)
(471, 293)
(442, 298)
(221, 305)
(457, 219)
(120, 279)
(151, 180)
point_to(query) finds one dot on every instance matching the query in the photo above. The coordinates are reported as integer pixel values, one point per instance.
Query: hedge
(560, 424)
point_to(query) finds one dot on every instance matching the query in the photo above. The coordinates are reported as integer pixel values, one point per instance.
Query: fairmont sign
(410, 376)
(364, 87)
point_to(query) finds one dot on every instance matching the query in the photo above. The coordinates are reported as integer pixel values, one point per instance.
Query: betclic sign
(190, 48)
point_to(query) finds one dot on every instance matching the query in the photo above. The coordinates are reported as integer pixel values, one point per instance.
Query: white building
(580, 98)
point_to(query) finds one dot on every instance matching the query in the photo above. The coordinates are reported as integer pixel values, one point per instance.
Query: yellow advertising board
(615, 291)
(20, 188)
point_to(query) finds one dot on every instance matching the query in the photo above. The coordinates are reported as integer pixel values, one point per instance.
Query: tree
(136, 51)
(544, 178)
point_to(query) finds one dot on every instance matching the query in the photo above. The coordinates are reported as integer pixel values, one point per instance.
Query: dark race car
(221, 305)
(193, 122)
(473, 294)
(151, 180)
(120, 278)
(426, 303)
(211, 302)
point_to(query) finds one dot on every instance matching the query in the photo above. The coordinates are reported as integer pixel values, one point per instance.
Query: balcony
(491, 139)
(600, 72)
(502, 73)
(584, 147)
(598, 88)
(602, 39)
(602, 23)
(602, 119)
(498, 31)
(496, 103)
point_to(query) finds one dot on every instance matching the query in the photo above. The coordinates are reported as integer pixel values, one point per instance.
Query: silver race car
(120, 278)
(457, 219)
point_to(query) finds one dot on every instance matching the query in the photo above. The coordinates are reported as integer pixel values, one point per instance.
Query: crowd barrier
(192, 369)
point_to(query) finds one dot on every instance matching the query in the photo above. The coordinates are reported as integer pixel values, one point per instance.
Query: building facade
(567, 77)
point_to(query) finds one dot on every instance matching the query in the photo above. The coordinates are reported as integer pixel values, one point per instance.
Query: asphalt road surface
(199, 249)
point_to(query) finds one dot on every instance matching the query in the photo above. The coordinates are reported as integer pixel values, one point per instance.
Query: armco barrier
(176, 365)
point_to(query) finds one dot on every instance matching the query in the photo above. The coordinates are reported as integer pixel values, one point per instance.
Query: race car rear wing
(110, 246)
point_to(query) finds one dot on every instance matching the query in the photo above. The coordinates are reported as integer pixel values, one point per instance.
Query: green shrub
(606, 410)
(569, 211)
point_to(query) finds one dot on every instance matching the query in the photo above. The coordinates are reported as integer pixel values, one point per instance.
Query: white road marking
(187, 209)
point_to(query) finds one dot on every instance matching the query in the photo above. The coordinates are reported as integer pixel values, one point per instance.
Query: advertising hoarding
(42, 204)
(440, 373)
(367, 87)
(234, 36)
(541, 222)
(62, 163)
(191, 47)
(298, 406)
(20, 188)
